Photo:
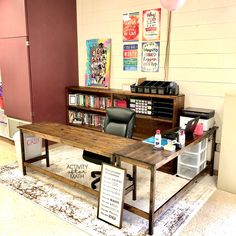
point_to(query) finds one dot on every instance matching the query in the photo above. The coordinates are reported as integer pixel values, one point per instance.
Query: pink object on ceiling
(172, 5)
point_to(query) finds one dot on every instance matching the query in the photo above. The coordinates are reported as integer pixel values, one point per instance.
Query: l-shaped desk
(119, 149)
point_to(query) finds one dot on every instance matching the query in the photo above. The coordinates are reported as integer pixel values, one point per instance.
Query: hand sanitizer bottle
(158, 139)
(181, 138)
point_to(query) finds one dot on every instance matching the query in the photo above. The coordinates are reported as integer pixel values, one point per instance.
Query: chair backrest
(119, 121)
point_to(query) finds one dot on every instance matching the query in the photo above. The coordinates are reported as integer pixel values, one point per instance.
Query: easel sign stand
(111, 195)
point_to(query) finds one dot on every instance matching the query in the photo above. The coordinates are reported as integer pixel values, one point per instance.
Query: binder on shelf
(73, 99)
(120, 103)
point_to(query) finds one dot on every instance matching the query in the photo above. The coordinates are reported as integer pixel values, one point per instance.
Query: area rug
(80, 208)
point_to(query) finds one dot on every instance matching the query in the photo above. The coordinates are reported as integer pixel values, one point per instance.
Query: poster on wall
(130, 57)
(151, 24)
(131, 26)
(98, 62)
(150, 56)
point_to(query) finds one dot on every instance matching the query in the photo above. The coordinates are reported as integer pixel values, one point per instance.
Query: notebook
(151, 140)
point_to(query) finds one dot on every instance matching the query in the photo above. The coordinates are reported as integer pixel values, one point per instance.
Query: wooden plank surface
(145, 155)
(93, 141)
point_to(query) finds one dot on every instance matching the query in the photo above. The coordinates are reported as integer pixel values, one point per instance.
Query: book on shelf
(92, 101)
(120, 103)
(73, 99)
(84, 118)
(108, 102)
(81, 100)
(71, 116)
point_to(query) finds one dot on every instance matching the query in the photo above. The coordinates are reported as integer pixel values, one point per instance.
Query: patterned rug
(80, 208)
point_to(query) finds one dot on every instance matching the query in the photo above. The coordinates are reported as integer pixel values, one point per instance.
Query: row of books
(84, 118)
(89, 101)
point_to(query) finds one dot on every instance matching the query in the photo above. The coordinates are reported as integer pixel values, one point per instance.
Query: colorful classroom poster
(98, 62)
(131, 26)
(130, 57)
(151, 24)
(150, 56)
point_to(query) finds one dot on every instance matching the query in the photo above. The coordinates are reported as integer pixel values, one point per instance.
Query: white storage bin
(192, 159)
(189, 172)
(199, 147)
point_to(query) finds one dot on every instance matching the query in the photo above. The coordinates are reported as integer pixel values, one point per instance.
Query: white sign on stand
(111, 196)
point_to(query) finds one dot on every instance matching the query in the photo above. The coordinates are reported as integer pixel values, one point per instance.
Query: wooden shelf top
(87, 108)
(119, 92)
(168, 120)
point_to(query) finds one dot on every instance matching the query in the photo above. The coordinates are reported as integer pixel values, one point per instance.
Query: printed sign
(150, 56)
(131, 26)
(130, 57)
(111, 196)
(151, 24)
(98, 62)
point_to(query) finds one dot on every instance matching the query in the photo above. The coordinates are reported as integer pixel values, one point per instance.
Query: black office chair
(119, 121)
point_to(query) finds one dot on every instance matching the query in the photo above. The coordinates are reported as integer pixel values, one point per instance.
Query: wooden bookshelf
(168, 117)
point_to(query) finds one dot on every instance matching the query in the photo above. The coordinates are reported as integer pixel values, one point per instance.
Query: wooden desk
(145, 156)
(93, 141)
(134, 152)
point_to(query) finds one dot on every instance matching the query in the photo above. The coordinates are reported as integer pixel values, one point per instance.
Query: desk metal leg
(22, 152)
(46, 152)
(213, 145)
(134, 182)
(152, 200)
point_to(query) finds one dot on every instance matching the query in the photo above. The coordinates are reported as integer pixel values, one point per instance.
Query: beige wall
(202, 54)
(226, 178)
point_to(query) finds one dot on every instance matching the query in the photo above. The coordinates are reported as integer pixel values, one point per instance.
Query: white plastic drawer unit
(192, 159)
(199, 147)
(189, 172)
(192, 162)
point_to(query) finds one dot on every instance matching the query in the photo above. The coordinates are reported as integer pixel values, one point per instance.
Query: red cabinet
(15, 77)
(12, 18)
(36, 67)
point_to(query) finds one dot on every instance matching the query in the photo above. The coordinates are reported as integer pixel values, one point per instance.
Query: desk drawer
(192, 159)
(188, 172)
(199, 147)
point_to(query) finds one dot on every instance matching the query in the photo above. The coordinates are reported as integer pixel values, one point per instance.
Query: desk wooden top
(97, 142)
(146, 156)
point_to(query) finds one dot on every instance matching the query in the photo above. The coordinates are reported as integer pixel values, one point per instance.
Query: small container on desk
(164, 88)
(155, 86)
(140, 88)
(133, 88)
(147, 87)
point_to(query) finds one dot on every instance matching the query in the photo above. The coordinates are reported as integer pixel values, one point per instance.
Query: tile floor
(20, 216)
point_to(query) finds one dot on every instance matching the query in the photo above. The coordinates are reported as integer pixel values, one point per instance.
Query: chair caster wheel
(93, 186)
(93, 175)
(130, 178)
